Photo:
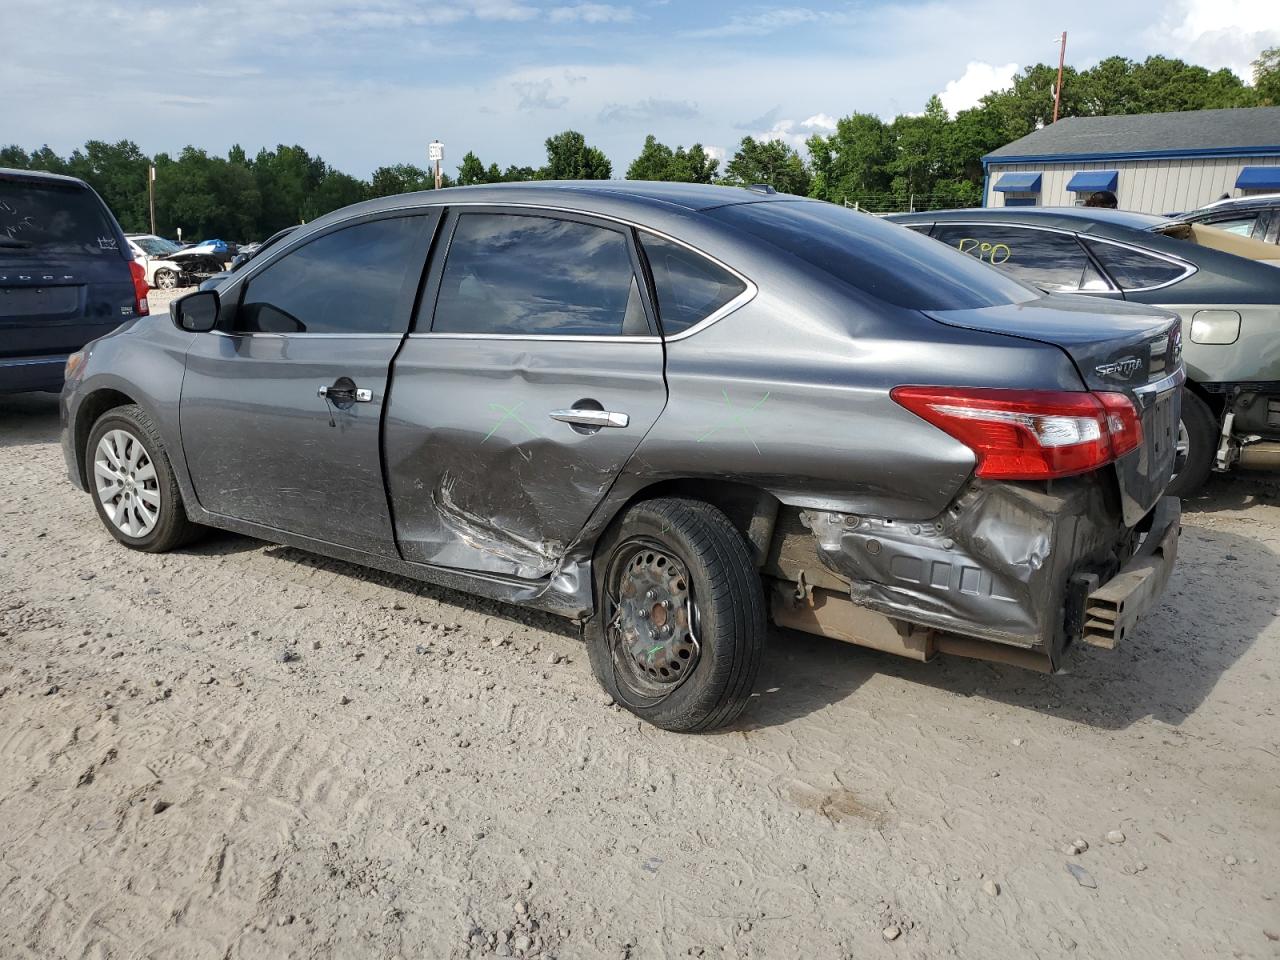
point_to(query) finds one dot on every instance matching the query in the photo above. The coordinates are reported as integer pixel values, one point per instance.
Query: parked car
(1226, 288)
(220, 250)
(155, 254)
(649, 407)
(1257, 217)
(66, 276)
(247, 253)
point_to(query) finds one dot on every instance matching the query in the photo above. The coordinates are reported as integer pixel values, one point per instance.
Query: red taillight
(140, 288)
(1030, 434)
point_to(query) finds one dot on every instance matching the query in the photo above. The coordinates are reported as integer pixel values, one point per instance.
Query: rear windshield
(52, 218)
(882, 259)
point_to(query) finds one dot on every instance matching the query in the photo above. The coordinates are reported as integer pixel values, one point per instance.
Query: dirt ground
(242, 751)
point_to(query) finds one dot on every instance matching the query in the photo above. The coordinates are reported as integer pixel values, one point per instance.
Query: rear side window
(1241, 226)
(522, 275)
(1134, 269)
(348, 281)
(53, 218)
(689, 286)
(897, 266)
(1051, 261)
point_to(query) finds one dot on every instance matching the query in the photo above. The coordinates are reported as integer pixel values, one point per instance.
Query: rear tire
(1201, 433)
(132, 483)
(684, 561)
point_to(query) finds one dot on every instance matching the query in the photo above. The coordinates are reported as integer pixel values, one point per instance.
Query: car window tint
(348, 281)
(919, 227)
(54, 218)
(689, 286)
(533, 275)
(1051, 261)
(881, 259)
(1133, 269)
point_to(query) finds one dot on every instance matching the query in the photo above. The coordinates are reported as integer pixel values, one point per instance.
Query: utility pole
(435, 153)
(151, 195)
(1057, 90)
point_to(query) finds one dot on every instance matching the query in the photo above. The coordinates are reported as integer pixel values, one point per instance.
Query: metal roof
(1245, 130)
(1081, 219)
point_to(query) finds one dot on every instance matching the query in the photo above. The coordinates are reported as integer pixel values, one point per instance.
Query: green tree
(471, 171)
(853, 162)
(657, 161)
(771, 162)
(569, 158)
(1266, 77)
(654, 161)
(514, 173)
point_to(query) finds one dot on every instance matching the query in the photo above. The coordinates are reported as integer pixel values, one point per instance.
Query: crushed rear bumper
(1036, 566)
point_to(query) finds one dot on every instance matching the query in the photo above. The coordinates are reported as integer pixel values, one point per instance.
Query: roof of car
(9, 173)
(1185, 130)
(1258, 200)
(1073, 218)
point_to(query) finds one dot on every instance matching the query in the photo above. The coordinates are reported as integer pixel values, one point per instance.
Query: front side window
(1051, 261)
(689, 286)
(1135, 269)
(528, 275)
(348, 281)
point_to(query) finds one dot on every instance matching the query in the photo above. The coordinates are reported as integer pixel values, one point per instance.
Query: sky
(370, 82)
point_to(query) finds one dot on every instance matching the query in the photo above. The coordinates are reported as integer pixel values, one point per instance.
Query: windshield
(156, 246)
(54, 218)
(889, 262)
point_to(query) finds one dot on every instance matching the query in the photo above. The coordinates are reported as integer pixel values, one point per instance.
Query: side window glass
(348, 281)
(920, 227)
(1051, 261)
(1241, 226)
(533, 275)
(1133, 269)
(689, 286)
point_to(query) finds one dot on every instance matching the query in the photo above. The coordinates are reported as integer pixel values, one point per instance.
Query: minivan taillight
(1030, 434)
(140, 288)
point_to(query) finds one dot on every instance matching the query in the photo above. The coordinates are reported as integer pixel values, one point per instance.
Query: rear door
(281, 411)
(532, 375)
(64, 270)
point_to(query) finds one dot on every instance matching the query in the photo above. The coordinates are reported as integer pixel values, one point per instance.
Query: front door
(532, 376)
(281, 410)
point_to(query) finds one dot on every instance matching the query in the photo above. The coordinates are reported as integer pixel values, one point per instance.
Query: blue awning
(1090, 181)
(1018, 183)
(1259, 178)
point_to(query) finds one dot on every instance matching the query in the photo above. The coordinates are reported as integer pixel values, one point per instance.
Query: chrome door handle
(359, 395)
(591, 418)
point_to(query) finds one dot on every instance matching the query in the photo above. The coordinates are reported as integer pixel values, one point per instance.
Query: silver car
(665, 411)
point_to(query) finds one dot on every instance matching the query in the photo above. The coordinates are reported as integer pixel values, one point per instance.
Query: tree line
(925, 160)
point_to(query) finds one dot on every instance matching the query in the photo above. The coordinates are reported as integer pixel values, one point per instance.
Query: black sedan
(1225, 287)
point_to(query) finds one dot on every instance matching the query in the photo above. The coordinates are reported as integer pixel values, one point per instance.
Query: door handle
(586, 417)
(345, 394)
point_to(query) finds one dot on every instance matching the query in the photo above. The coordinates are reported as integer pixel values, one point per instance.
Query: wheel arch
(91, 408)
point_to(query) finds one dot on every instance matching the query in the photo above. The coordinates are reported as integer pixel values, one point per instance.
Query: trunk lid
(1117, 348)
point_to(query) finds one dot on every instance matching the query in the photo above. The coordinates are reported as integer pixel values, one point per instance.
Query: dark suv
(66, 276)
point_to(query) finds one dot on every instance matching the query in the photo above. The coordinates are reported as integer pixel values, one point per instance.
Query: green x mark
(653, 650)
(508, 413)
(737, 421)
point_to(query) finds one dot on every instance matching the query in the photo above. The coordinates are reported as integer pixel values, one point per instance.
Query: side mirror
(196, 312)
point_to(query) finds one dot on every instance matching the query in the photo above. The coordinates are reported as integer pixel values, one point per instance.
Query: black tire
(727, 600)
(1202, 446)
(171, 528)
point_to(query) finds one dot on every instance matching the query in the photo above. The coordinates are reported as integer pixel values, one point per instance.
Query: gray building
(1153, 162)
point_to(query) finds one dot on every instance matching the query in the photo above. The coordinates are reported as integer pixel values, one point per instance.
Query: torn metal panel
(994, 565)
(530, 559)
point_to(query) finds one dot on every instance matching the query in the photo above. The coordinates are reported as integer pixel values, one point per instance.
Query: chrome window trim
(571, 337)
(308, 336)
(742, 299)
(1188, 268)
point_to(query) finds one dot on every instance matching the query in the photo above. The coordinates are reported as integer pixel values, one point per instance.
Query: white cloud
(591, 13)
(761, 24)
(1218, 33)
(977, 81)
(820, 121)
(536, 95)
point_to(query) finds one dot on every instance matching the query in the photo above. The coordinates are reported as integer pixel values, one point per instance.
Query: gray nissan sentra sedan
(668, 412)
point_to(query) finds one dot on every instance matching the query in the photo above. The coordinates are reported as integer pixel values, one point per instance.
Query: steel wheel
(125, 483)
(653, 620)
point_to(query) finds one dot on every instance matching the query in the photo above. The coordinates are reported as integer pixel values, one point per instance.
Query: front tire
(680, 628)
(166, 279)
(1199, 433)
(132, 483)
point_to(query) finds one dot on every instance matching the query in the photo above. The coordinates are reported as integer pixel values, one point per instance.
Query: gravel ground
(242, 751)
